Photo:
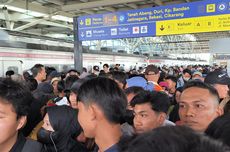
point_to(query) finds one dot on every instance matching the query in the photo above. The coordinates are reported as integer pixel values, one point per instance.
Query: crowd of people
(152, 109)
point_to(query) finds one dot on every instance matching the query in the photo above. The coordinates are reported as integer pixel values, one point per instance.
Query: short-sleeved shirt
(113, 148)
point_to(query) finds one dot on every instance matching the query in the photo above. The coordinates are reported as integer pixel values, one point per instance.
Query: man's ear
(92, 112)
(220, 111)
(21, 122)
(98, 114)
(161, 118)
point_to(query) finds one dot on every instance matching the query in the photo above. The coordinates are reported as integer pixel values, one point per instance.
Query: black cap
(217, 77)
(54, 74)
(96, 68)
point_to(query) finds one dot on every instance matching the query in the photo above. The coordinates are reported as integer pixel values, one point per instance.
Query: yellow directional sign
(193, 25)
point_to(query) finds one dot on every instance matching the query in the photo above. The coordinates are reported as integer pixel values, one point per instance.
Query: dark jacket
(26, 145)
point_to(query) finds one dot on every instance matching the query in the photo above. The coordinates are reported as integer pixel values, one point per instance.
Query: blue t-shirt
(113, 148)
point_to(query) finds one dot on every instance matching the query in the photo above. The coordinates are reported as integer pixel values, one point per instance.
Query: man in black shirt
(101, 105)
(15, 101)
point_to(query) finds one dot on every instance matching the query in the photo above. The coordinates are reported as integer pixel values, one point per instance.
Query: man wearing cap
(152, 75)
(220, 81)
(139, 81)
(197, 76)
(95, 70)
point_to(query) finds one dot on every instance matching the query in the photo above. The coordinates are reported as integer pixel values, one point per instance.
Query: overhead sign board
(195, 17)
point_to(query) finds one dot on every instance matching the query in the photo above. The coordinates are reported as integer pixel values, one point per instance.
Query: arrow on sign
(82, 34)
(162, 28)
(81, 22)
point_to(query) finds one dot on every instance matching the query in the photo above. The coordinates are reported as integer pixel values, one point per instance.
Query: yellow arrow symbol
(81, 22)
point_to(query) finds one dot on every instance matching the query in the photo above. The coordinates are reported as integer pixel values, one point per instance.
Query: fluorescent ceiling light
(35, 14)
(62, 18)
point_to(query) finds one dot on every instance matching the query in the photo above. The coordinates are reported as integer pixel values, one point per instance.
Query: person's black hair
(49, 70)
(133, 89)
(16, 94)
(27, 75)
(220, 129)
(106, 94)
(63, 75)
(202, 85)
(119, 76)
(101, 72)
(111, 69)
(73, 70)
(91, 76)
(45, 87)
(61, 86)
(115, 69)
(180, 89)
(227, 108)
(177, 139)
(172, 78)
(31, 83)
(162, 76)
(36, 69)
(106, 75)
(135, 75)
(106, 65)
(158, 100)
(187, 71)
(76, 85)
(66, 127)
(70, 80)
(9, 73)
(84, 69)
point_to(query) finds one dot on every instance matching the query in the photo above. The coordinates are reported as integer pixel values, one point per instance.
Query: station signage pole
(78, 58)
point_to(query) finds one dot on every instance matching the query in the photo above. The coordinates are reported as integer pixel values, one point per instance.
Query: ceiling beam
(173, 2)
(158, 2)
(110, 9)
(20, 28)
(96, 4)
(84, 1)
(39, 8)
(57, 2)
(131, 5)
(88, 12)
(33, 7)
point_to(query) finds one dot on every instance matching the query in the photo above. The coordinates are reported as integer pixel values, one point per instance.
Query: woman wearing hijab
(60, 129)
